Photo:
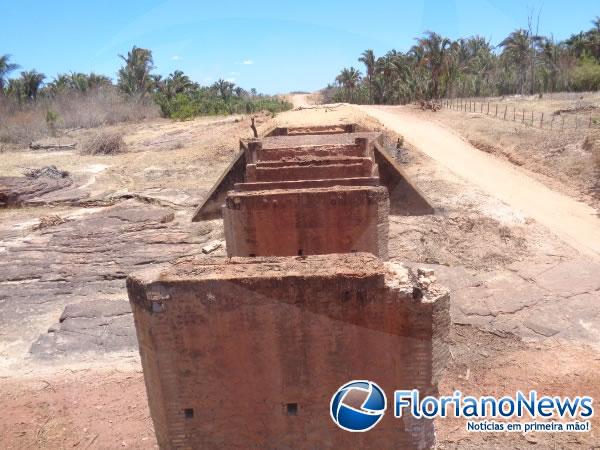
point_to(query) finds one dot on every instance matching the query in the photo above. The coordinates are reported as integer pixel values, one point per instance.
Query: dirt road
(574, 222)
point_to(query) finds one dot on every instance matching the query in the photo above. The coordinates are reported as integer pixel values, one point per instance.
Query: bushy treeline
(435, 67)
(180, 98)
(30, 106)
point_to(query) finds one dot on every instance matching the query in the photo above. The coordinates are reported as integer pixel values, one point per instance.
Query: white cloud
(176, 57)
(231, 80)
(247, 62)
(233, 74)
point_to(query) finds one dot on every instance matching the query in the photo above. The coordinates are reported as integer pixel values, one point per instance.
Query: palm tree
(31, 81)
(225, 88)
(387, 69)
(436, 58)
(95, 80)
(15, 89)
(176, 83)
(472, 64)
(77, 81)
(549, 53)
(5, 69)
(516, 47)
(134, 76)
(595, 37)
(368, 59)
(348, 79)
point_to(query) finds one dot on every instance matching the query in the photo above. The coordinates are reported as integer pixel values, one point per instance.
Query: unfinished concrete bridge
(246, 351)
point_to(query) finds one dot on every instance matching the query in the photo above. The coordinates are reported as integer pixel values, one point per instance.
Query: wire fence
(556, 121)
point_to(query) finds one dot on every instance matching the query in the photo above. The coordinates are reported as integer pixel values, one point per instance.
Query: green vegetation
(181, 99)
(33, 108)
(435, 67)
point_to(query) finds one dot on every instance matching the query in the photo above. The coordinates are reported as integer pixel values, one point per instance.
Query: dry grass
(27, 122)
(567, 160)
(559, 111)
(591, 143)
(49, 221)
(105, 143)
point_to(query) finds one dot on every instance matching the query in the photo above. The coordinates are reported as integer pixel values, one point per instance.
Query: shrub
(52, 119)
(28, 121)
(202, 102)
(586, 75)
(105, 144)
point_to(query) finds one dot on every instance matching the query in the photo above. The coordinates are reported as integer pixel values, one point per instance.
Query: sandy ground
(561, 147)
(577, 224)
(524, 292)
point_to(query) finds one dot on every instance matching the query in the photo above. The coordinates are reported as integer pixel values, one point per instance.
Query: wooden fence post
(542, 121)
(523, 118)
(488, 112)
(505, 109)
(514, 114)
(496, 110)
(531, 118)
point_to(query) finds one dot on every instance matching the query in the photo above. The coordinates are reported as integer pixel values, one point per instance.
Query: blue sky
(274, 46)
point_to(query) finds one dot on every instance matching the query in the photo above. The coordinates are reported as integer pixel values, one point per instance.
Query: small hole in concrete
(417, 293)
(252, 255)
(188, 413)
(292, 409)
(157, 307)
(346, 295)
(300, 252)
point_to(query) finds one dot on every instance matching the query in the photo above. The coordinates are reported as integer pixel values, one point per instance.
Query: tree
(31, 81)
(550, 55)
(348, 79)
(368, 59)
(15, 89)
(594, 38)
(95, 80)
(436, 58)
(5, 69)
(77, 81)
(134, 76)
(224, 88)
(176, 83)
(385, 69)
(516, 50)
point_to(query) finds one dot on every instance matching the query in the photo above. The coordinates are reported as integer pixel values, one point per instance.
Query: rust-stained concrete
(290, 222)
(228, 344)
(246, 352)
(330, 152)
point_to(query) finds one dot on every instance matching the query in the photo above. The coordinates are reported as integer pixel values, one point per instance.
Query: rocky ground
(524, 304)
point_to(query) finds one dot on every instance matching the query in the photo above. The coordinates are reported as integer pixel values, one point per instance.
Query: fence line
(528, 118)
